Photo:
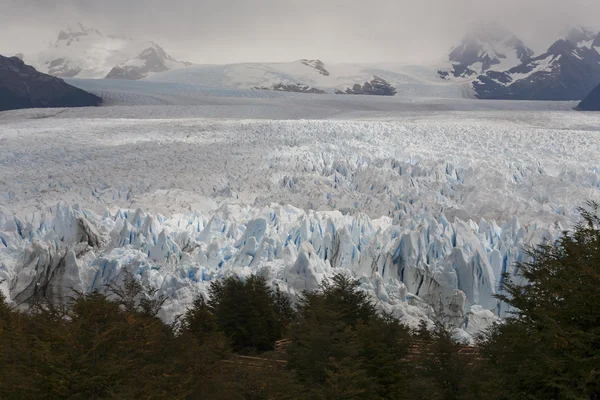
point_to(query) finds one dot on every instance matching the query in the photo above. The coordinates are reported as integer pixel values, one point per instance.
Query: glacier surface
(426, 203)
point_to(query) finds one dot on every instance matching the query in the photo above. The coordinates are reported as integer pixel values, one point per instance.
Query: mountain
(319, 77)
(83, 52)
(581, 37)
(151, 61)
(487, 47)
(568, 70)
(21, 86)
(591, 101)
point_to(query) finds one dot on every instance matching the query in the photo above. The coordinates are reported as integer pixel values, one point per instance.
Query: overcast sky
(223, 31)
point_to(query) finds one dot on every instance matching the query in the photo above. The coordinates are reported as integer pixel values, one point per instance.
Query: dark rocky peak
(596, 42)
(15, 64)
(22, 86)
(376, 87)
(578, 35)
(523, 52)
(155, 60)
(155, 55)
(483, 47)
(19, 56)
(562, 46)
(591, 102)
(292, 87)
(316, 64)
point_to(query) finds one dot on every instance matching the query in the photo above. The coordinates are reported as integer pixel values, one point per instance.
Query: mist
(228, 31)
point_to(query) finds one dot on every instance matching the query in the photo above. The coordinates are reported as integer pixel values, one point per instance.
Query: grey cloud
(214, 31)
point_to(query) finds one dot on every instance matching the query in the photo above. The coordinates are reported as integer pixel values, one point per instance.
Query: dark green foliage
(199, 322)
(97, 348)
(550, 347)
(343, 349)
(250, 313)
(442, 372)
(134, 297)
(113, 346)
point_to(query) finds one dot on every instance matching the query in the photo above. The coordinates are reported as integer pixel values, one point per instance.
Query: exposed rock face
(376, 87)
(568, 70)
(153, 60)
(295, 88)
(21, 86)
(487, 47)
(578, 36)
(596, 42)
(316, 64)
(591, 102)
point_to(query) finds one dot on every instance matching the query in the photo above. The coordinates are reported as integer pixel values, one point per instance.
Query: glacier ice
(412, 269)
(421, 206)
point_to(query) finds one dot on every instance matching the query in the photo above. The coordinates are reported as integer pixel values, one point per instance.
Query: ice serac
(21, 86)
(415, 269)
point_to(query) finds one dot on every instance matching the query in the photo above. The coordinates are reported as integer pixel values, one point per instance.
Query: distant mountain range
(21, 86)
(499, 66)
(489, 63)
(83, 52)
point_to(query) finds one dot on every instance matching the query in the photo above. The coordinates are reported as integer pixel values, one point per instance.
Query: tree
(251, 314)
(550, 346)
(440, 371)
(343, 349)
(134, 297)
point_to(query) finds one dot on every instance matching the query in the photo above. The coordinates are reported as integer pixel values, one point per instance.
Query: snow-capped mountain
(83, 52)
(151, 61)
(581, 37)
(487, 47)
(568, 70)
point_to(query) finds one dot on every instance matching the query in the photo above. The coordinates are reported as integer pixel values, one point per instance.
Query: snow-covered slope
(582, 37)
(427, 209)
(487, 47)
(499, 66)
(568, 70)
(87, 53)
(408, 81)
(152, 60)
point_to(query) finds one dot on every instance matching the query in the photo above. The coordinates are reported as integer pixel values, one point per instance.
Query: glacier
(426, 202)
(414, 270)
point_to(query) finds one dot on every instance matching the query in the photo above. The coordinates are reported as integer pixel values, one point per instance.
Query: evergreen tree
(550, 347)
(440, 371)
(248, 312)
(342, 349)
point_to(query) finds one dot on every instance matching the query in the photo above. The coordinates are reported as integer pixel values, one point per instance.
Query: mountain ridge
(21, 86)
(84, 52)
